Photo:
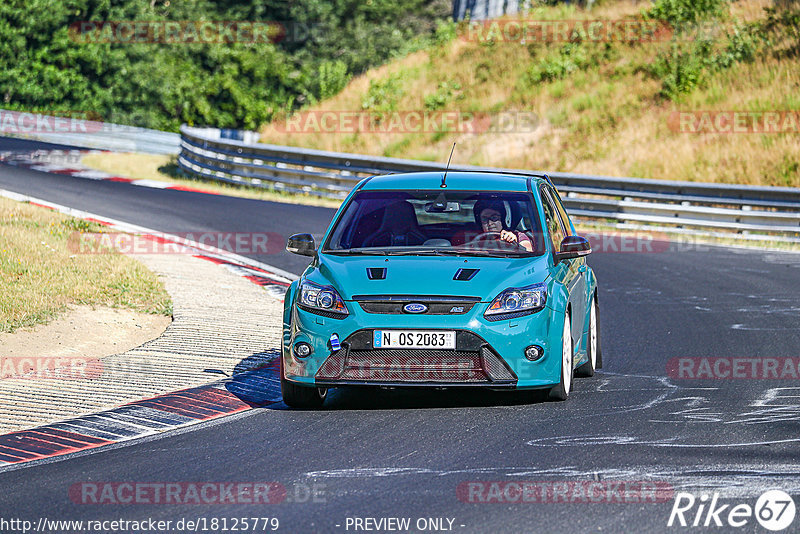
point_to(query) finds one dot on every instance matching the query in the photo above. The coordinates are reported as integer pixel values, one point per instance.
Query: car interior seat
(399, 228)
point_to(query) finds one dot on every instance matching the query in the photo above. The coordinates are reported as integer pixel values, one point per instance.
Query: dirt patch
(85, 331)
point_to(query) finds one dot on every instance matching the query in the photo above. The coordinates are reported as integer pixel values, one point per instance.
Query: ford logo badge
(415, 307)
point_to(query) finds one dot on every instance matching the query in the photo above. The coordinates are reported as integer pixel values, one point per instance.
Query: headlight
(517, 302)
(321, 298)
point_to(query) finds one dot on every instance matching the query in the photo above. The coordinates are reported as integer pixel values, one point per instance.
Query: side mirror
(302, 244)
(573, 246)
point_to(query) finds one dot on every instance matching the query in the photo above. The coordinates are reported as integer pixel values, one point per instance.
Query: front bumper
(487, 354)
(472, 363)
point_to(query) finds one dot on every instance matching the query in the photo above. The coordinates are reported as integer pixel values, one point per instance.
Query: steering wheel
(486, 236)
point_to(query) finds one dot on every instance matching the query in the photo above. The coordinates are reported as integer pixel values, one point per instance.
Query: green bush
(741, 47)
(692, 57)
(383, 94)
(446, 31)
(332, 77)
(234, 85)
(781, 31)
(682, 12)
(679, 71)
(445, 92)
(565, 61)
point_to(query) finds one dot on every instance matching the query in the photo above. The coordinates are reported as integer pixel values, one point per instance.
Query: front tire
(587, 369)
(305, 398)
(561, 391)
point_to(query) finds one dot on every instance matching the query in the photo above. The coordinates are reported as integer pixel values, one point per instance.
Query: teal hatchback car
(433, 280)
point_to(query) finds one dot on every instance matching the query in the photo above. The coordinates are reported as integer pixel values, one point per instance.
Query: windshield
(438, 223)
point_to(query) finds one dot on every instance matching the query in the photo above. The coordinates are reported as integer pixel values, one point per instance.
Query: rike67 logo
(774, 510)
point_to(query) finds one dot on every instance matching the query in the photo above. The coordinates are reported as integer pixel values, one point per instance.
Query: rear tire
(561, 391)
(587, 369)
(306, 398)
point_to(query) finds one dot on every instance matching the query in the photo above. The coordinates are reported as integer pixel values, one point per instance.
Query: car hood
(426, 275)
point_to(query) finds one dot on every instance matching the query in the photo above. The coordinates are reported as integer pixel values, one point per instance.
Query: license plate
(414, 339)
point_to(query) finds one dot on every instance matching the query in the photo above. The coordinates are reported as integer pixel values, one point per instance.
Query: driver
(490, 215)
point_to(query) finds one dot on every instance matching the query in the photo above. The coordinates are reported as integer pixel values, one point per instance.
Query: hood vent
(465, 274)
(376, 273)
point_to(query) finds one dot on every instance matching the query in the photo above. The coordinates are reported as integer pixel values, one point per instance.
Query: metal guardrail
(742, 208)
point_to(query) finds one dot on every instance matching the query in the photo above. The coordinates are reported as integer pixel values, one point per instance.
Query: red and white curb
(244, 391)
(68, 163)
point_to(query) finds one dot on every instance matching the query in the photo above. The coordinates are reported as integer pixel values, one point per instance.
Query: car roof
(456, 180)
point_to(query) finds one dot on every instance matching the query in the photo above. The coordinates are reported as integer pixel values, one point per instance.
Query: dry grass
(40, 275)
(604, 118)
(164, 169)
(132, 165)
(750, 10)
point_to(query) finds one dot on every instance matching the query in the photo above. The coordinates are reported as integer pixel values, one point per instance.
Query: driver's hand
(509, 237)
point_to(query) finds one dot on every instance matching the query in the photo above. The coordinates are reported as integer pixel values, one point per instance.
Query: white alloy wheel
(566, 356)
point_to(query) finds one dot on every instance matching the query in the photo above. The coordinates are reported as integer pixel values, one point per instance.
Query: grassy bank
(600, 107)
(40, 276)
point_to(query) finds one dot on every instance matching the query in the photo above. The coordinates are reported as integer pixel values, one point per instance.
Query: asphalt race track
(404, 454)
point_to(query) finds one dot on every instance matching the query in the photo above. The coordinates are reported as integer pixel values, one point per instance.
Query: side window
(554, 228)
(564, 217)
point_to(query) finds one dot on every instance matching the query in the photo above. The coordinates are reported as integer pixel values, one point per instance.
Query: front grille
(473, 362)
(495, 369)
(393, 304)
(414, 366)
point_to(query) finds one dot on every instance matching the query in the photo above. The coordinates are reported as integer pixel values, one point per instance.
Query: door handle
(582, 269)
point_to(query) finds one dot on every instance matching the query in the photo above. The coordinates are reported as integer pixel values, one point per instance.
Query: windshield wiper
(415, 252)
(354, 251)
(478, 252)
(432, 252)
(452, 252)
(384, 252)
(428, 252)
